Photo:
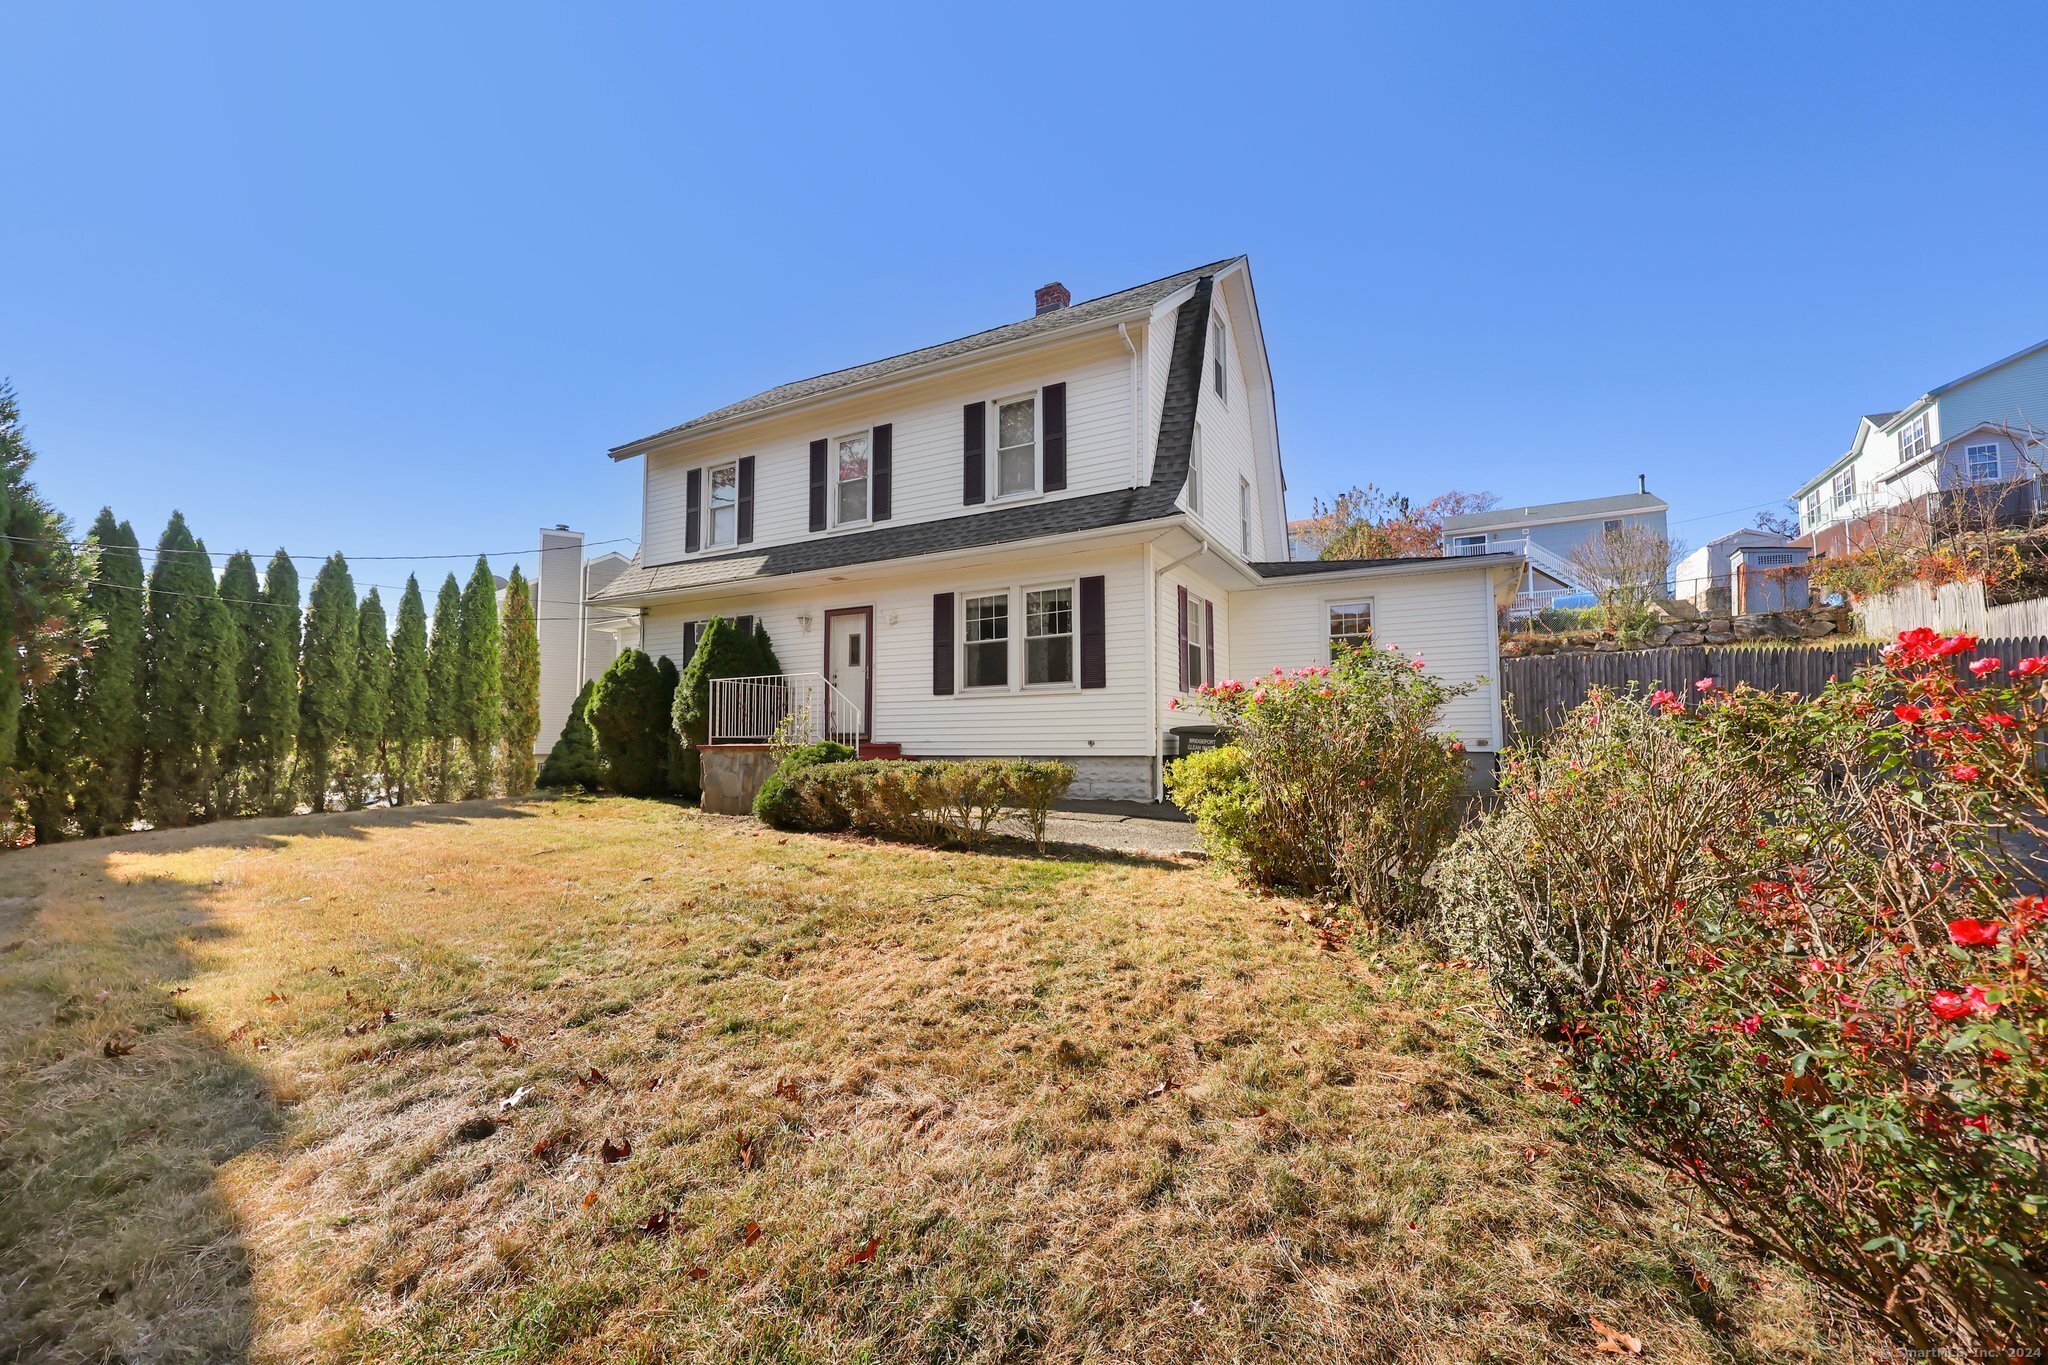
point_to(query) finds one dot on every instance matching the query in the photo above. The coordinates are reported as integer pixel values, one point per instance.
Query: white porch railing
(802, 708)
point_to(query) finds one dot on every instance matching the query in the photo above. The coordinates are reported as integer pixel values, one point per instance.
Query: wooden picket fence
(1539, 690)
(1949, 608)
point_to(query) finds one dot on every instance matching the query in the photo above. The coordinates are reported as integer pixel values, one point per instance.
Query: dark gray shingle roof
(1054, 516)
(1560, 511)
(1137, 299)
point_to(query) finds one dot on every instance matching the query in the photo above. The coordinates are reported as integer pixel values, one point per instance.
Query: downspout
(1152, 661)
(1123, 329)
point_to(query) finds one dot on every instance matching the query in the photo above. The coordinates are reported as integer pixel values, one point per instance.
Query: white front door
(846, 665)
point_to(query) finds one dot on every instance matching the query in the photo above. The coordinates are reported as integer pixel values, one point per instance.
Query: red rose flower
(1963, 772)
(1983, 666)
(1909, 714)
(1973, 933)
(2027, 668)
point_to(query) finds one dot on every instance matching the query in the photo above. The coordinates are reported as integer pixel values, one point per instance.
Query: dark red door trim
(867, 703)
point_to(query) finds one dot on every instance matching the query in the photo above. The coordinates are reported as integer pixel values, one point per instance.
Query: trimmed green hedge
(928, 801)
(776, 803)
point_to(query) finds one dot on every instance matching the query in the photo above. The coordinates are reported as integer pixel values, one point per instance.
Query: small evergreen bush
(777, 803)
(629, 711)
(575, 761)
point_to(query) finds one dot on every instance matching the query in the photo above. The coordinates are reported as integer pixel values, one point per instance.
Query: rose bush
(1336, 767)
(1836, 1029)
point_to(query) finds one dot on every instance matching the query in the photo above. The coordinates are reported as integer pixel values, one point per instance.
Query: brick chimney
(1052, 296)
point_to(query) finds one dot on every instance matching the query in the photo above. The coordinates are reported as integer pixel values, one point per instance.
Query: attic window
(1219, 370)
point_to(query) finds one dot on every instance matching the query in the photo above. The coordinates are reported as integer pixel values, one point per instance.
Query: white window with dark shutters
(1016, 446)
(1913, 440)
(985, 641)
(1049, 636)
(850, 470)
(722, 524)
(1350, 625)
(1199, 616)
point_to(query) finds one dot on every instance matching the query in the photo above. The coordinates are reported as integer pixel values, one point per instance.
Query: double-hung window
(1195, 471)
(1199, 643)
(1219, 368)
(1844, 489)
(1350, 626)
(850, 479)
(1016, 446)
(985, 643)
(1048, 636)
(1244, 517)
(1813, 509)
(1983, 462)
(1913, 440)
(723, 525)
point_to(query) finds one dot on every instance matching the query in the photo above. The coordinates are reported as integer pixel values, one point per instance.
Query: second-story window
(1219, 369)
(1195, 471)
(1913, 439)
(1813, 509)
(724, 522)
(850, 478)
(1244, 517)
(1016, 447)
(1844, 489)
(1468, 545)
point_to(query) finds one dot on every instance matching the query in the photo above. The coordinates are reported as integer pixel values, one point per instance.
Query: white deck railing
(800, 708)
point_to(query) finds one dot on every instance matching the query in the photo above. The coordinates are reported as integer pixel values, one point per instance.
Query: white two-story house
(1974, 443)
(1033, 541)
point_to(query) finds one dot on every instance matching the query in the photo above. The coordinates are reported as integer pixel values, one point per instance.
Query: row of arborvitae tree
(180, 698)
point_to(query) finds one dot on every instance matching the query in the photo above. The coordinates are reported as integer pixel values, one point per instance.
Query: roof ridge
(828, 381)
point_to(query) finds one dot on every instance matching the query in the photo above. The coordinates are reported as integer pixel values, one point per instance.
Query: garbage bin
(1183, 740)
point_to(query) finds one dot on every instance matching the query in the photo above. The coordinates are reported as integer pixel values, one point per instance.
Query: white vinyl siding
(1446, 618)
(1167, 637)
(925, 483)
(1227, 448)
(1051, 721)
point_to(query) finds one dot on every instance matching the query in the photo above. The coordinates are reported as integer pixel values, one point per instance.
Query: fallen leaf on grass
(1614, 1341)
(863, 1256)
(507, 1041)
(1162, 1088)
(592, 1079)
(589, 1199)
(611, 1154)
(117, 1047)
(698, 1272)
(515, 1099)
(746, 1153)
(751, 1235)
(786, 1088)
(656, 1223)
(275, 999)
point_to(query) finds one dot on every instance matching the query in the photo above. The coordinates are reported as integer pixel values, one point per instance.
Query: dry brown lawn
(258, 1084)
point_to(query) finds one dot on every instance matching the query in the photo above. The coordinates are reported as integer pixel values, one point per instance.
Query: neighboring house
(1303, 540)
(578, 639)
(1764, 578)
(1035, 540)
(1967, 444)
(1547, 533)
(1706, 577)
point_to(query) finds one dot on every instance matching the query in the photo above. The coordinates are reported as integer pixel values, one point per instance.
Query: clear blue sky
(390, 279)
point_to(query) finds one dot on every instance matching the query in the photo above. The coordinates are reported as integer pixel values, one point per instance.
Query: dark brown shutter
(693, 510)
(1181, 594)
(974, 453)
(1055, 437)
(879, 471)
(817, 485)
(1209, 643)
(1094, 656)
(745, 515)
(942, 644)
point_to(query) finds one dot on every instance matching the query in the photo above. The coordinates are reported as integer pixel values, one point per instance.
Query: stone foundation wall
(733, 774)
(1685, 625)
